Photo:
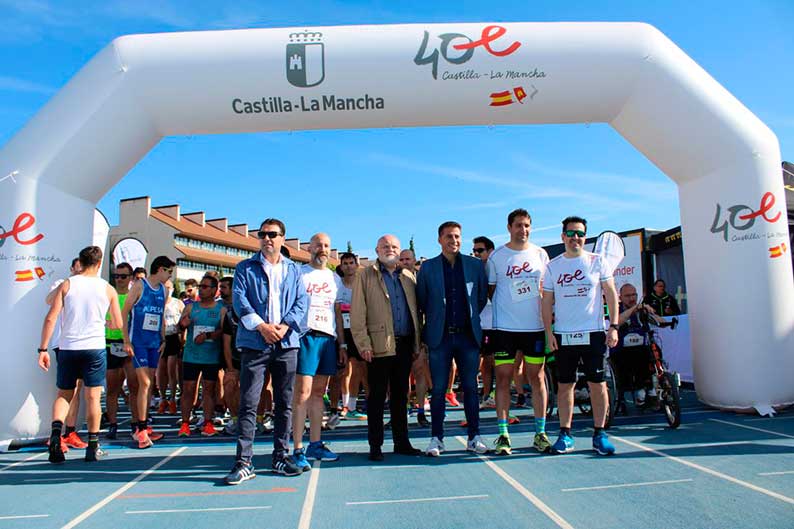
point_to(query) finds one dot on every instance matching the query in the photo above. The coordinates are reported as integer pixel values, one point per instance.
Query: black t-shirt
(230, 323)
(665, 305)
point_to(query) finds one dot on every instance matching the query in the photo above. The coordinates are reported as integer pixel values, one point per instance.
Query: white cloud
(13, 84)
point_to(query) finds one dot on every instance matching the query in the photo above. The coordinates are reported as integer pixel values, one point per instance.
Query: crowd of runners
(279, 344)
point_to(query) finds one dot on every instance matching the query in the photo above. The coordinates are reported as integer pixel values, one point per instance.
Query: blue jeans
(281, 363)
(464, 349)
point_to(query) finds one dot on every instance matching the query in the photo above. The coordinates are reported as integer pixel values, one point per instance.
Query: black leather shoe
(375, 454)
(407, 451)
(422, 420)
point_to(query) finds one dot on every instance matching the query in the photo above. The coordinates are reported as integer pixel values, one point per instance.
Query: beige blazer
(371, 322)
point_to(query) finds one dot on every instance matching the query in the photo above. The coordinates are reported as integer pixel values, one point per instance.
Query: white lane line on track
(24, 516)
(772, 419)
(627, 485)
(419, 500)
(308, 503)
(739, 425)
(781, 473)
(32, 480)
(209, 509)
(31, 458)
(709, 471)
(534, 500)
(121, 490)
(394, 467)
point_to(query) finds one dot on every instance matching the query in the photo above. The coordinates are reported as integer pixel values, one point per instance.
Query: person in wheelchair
(631, 354)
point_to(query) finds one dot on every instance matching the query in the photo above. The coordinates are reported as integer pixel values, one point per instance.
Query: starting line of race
(309, 501)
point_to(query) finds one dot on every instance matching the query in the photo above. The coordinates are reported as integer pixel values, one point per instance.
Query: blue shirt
(401, 316)
(147, 317)
(457, 304)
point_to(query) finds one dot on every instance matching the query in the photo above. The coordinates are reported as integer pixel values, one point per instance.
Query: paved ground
(716, 470)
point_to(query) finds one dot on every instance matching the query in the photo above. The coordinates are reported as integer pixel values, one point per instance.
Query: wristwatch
(208, 335)
(614, 326)
(40, 350)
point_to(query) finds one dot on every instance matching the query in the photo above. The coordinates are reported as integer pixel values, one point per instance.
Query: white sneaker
(476, 445)
(639, 396)
(435, 447)
(230, 428)
(488, 402)
(333, 421)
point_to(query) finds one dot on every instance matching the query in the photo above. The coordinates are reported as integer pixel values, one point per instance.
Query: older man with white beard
(317, 357)
(384, 323)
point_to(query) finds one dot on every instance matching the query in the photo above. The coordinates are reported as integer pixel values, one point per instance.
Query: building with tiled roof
(196, 244)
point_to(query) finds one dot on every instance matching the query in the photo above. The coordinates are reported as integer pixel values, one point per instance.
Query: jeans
(390, 372)
(464, 349)
(253, 363)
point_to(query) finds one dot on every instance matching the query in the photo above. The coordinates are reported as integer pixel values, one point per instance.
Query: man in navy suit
(451, 291)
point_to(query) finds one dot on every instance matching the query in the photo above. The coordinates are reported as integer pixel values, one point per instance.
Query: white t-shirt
(578, 300)
(517, 276)
(323, 287)
(486, 317)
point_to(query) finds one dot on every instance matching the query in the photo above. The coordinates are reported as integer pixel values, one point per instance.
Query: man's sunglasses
(121, 276)
(571, 233)
(268, 234)
(478, 251)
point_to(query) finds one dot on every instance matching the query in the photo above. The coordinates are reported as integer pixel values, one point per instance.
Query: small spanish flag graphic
(520, 94)
(23, 275)
(777, 251)
(39, 272)
(500, 99)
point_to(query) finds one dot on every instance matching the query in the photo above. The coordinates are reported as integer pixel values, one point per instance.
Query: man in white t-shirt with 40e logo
(514, 274)
(572, 299)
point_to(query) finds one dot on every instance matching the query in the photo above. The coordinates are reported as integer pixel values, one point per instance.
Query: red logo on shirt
(317, 288)
(514, 270)
(564, 279)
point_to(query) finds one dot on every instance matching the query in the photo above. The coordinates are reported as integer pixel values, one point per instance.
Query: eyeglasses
(478, 251)
(121, 276)
(169, 270)
(206, 286)
(571, 233)
(268, 234)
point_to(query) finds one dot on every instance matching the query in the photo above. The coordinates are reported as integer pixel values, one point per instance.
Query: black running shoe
(285, 465)
(56, 451)
(242, 471)
(113, 431)
(94, 454)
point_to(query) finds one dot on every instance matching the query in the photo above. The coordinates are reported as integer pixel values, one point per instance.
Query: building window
(212, 247)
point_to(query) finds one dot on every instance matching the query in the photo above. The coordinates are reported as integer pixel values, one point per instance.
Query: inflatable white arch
(144, 87)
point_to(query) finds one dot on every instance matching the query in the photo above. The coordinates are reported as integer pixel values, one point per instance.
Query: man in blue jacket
(269, 299)
(452, 290)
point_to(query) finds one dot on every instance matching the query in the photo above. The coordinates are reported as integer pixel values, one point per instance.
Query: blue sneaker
(563, 444)
(602, 445)
(319, 452)
(299, 457)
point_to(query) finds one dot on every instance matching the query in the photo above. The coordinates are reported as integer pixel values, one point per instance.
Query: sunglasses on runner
(478, 251)
(121, 276)
(571, 233)
(268, 234)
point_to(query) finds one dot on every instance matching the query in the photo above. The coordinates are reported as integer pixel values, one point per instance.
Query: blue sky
(425, 176)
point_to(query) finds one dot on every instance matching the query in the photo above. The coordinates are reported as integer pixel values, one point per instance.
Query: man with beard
(384, 322)
(317, 357)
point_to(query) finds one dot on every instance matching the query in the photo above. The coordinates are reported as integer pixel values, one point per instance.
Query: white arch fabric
(144, 87)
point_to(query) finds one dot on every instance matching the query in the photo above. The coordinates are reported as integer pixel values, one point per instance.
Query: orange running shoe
(452, 399)
(161, 406)
(172, 407)
(184, 430)
(73, 441)
(154, 436)
(208, 430)
(143, 439)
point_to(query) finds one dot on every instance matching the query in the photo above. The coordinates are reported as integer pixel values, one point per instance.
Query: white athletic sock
(351, 403)
(345, 399)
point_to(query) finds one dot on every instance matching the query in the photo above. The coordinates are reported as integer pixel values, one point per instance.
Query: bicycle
(582, 390)
(665, 382)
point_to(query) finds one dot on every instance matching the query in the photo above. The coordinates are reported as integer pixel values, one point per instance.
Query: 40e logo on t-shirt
(564, 279)
(317, 288)
(514, 270)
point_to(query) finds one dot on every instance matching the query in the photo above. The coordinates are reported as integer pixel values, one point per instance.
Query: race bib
(201, 329)
(576, 338)
(633, 340)
(117, 349)
(524, 289)
(321, 319)
(346, 320)
(151, 322)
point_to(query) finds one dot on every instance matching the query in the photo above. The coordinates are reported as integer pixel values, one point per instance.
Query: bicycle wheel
(583, 400)
(670, 400)
(610, 378)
